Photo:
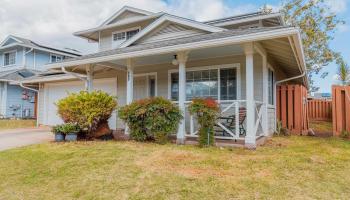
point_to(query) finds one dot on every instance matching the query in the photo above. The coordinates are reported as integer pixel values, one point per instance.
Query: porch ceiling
(281, 54)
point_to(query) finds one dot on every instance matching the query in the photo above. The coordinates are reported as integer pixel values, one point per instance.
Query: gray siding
(170, 31)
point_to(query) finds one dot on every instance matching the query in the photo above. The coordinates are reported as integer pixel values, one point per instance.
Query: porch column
(129, 86)
(261, 50)
(182, 58)
(265, 122)
(130, 81)
(89, 78)
(250, 138)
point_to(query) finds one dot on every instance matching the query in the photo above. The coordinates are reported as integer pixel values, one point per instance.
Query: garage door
(57, 91)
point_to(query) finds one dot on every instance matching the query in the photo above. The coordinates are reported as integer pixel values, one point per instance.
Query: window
(10, 58)
(56, 58)
(124, 35)
(205, 83)
(119, 36)
(271, 85)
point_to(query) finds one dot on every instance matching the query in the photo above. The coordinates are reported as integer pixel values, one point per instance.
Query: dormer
(121, 26)
(130, 26)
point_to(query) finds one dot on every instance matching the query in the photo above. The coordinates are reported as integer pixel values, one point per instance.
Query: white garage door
(57, 91)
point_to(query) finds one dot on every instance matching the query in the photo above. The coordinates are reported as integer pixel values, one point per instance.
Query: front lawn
(13, 124)
(292, 168)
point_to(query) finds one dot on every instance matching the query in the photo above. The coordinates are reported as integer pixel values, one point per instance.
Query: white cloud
(53, 22)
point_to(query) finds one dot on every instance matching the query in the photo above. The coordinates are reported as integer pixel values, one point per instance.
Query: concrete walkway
(22, 137)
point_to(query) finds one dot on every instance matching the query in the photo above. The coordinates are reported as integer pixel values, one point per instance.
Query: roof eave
(181, 47)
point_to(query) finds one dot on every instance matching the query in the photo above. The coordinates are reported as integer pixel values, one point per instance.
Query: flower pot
(59, 137)
(71, 137)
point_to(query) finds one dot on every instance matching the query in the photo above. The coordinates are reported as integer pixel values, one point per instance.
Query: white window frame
(236, 66)
(269, 67)
(57, 55)
(8, 52)
(125, 31)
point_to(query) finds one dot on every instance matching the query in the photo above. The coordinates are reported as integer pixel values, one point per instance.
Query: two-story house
(19, 59)
(237, 60)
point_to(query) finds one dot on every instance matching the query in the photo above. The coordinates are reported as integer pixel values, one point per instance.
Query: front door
(144, 86)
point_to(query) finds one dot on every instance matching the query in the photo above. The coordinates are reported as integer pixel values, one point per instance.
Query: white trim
(41, 49)
(170, 18)
(84, 34)
(236, 66)
(7, 38)
(11, 65)
(114, 45)
(57, 55)
(124, 9)
(189, 46)
(239, 21)
(3, 99)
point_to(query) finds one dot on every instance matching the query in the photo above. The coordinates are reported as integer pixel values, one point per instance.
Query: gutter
(181, 47)
(79, 76)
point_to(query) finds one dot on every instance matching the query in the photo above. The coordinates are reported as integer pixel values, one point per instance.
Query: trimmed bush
(88, 110)
(207, 112)
(151, 119)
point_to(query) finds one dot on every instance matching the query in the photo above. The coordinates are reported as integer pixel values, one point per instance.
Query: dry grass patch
(286, 168)
(13, 124)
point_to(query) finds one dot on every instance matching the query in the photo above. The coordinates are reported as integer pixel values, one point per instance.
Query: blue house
(21, 58)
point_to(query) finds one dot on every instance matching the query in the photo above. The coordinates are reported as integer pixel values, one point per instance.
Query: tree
(343, 72)
(318, 25)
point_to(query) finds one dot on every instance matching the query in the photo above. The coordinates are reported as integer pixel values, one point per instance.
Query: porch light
(175, 61)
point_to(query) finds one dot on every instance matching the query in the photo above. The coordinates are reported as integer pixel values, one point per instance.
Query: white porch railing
(231, 124)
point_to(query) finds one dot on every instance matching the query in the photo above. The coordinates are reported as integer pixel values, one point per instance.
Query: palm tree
(343, 72)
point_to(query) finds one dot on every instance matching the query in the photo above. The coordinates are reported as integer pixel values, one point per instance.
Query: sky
(52, 22)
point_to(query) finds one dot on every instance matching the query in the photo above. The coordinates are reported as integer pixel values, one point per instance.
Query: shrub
(151, 119)
(57, 129)
(206, 111)
(88, 110)
(345, 134)
(69, 128)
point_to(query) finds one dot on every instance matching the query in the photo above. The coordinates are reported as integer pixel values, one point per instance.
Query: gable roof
(124, 10)
(30, 44)
(245, 18)
(175, 19)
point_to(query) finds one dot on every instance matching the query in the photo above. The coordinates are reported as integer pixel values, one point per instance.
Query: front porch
(241, 76)
(237, 76)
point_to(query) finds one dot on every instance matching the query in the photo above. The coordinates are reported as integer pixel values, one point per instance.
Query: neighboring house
(19, 59)
(237, 60)
(318, 95)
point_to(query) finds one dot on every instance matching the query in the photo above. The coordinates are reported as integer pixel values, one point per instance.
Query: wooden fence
(320, 109)
(341, 109)
(292, 108)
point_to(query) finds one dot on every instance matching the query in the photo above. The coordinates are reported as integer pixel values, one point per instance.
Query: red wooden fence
(292, 108)
(320, 109)
(341, 109)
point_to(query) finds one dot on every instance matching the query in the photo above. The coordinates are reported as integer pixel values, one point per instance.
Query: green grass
(13, 124)
(285, 168)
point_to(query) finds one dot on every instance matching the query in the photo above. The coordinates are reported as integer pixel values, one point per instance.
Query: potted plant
(59, 135)
(71, 131)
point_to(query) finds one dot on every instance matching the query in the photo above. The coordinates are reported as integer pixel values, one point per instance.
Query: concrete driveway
(22, 137)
